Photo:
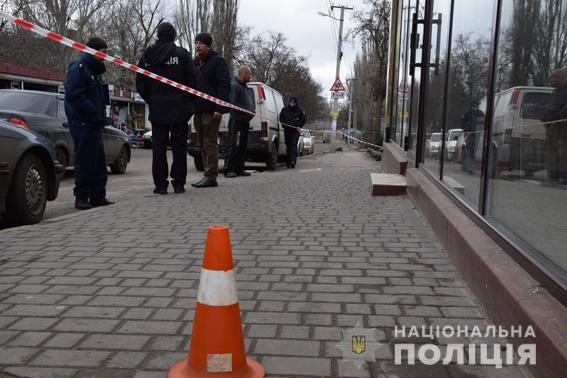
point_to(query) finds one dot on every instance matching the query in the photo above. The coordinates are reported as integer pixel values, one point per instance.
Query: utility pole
(350, 105)
(338, 70)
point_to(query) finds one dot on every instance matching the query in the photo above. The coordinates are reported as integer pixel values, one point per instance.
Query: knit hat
(205, 38)
(97, 43)
(294, 99)
(166, 32)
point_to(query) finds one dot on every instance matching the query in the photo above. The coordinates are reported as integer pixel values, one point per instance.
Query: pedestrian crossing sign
(338, 86)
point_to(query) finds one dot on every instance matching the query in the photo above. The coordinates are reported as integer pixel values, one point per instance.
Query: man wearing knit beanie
(213, 79)
(170, 108)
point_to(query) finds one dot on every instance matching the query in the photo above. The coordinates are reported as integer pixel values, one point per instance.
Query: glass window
(527, 192)
(437, 78)
(27, 102)
(416, 57)
(61, 110)
(402, 103)
(467, 88)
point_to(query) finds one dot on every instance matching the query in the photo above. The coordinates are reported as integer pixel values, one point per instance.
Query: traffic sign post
(338, 86)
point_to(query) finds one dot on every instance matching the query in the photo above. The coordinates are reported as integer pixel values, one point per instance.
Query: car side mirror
(66, 124)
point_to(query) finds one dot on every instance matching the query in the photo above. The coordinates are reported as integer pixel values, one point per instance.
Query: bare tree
(217, 17)
(133, 26)
(276, 64)
(372, 27)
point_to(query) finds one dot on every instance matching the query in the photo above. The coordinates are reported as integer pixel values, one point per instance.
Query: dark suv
(29, 174)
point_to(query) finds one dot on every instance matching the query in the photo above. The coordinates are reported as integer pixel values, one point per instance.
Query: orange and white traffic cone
(217, 342)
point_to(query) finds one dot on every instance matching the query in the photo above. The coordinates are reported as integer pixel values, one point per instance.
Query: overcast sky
(308, 33)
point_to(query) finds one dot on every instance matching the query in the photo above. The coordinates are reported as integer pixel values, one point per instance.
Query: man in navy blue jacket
(86, 98)
(213, 79)
(239, 123)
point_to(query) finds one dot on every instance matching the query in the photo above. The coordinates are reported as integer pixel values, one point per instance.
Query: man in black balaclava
(170, 108)
(86, 97)
(293, 115)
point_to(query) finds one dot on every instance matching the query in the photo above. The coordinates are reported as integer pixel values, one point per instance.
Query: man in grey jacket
(239, 123)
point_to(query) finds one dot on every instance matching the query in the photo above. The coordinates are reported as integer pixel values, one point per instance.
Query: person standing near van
(556, 132)
(170, 108)
(293, 115)
(472, 123)
(239, 123)
(213, 79)
(86, 98)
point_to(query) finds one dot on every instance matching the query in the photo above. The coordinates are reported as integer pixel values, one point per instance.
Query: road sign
(337, 95)
(338, 86)
(335, 113)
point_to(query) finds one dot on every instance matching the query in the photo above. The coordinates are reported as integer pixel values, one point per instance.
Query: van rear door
(255, 124)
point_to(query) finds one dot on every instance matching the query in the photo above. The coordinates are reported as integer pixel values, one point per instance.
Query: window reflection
(528, 145)
(436, 83)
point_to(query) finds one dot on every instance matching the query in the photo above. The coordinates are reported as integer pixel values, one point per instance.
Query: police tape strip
(82, 48)
(358, 140)
(119, 62)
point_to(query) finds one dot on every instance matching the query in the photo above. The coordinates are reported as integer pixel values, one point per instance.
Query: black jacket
(242, 96)
(86, 96)
(293, 116)
(213, 79)
(167, 104)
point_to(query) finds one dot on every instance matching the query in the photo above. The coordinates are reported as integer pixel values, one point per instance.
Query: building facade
(477, 106)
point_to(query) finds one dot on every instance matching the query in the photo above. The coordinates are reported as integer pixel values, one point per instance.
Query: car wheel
(61, 156)
(272, 158)
(198, 161)
(27, 196)
(121, 163)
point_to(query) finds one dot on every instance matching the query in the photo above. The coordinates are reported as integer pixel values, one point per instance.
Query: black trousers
(238, 142)
(176, 135)
(291, 139)
(90, 162)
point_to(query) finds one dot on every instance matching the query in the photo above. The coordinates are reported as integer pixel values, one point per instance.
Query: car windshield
(26, 102)
(306, 134)
(435, 137)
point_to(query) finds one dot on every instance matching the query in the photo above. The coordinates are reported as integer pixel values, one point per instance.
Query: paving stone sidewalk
(111, 292)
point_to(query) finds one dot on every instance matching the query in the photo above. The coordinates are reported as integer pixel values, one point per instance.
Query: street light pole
(338, 69)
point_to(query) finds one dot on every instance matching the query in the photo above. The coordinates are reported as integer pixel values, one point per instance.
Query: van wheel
(198, 161)
(272, 158)
(27, 196)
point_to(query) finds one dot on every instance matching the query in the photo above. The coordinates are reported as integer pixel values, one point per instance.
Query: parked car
(451, 143)
(29, 174)
(266, 141)
(44, 113)
(308, 143)
(433, 145)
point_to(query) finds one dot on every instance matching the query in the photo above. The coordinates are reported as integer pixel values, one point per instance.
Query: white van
(518, 137)
(266, 141)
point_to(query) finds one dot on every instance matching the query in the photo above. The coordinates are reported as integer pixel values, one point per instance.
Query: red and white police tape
(82, 48)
